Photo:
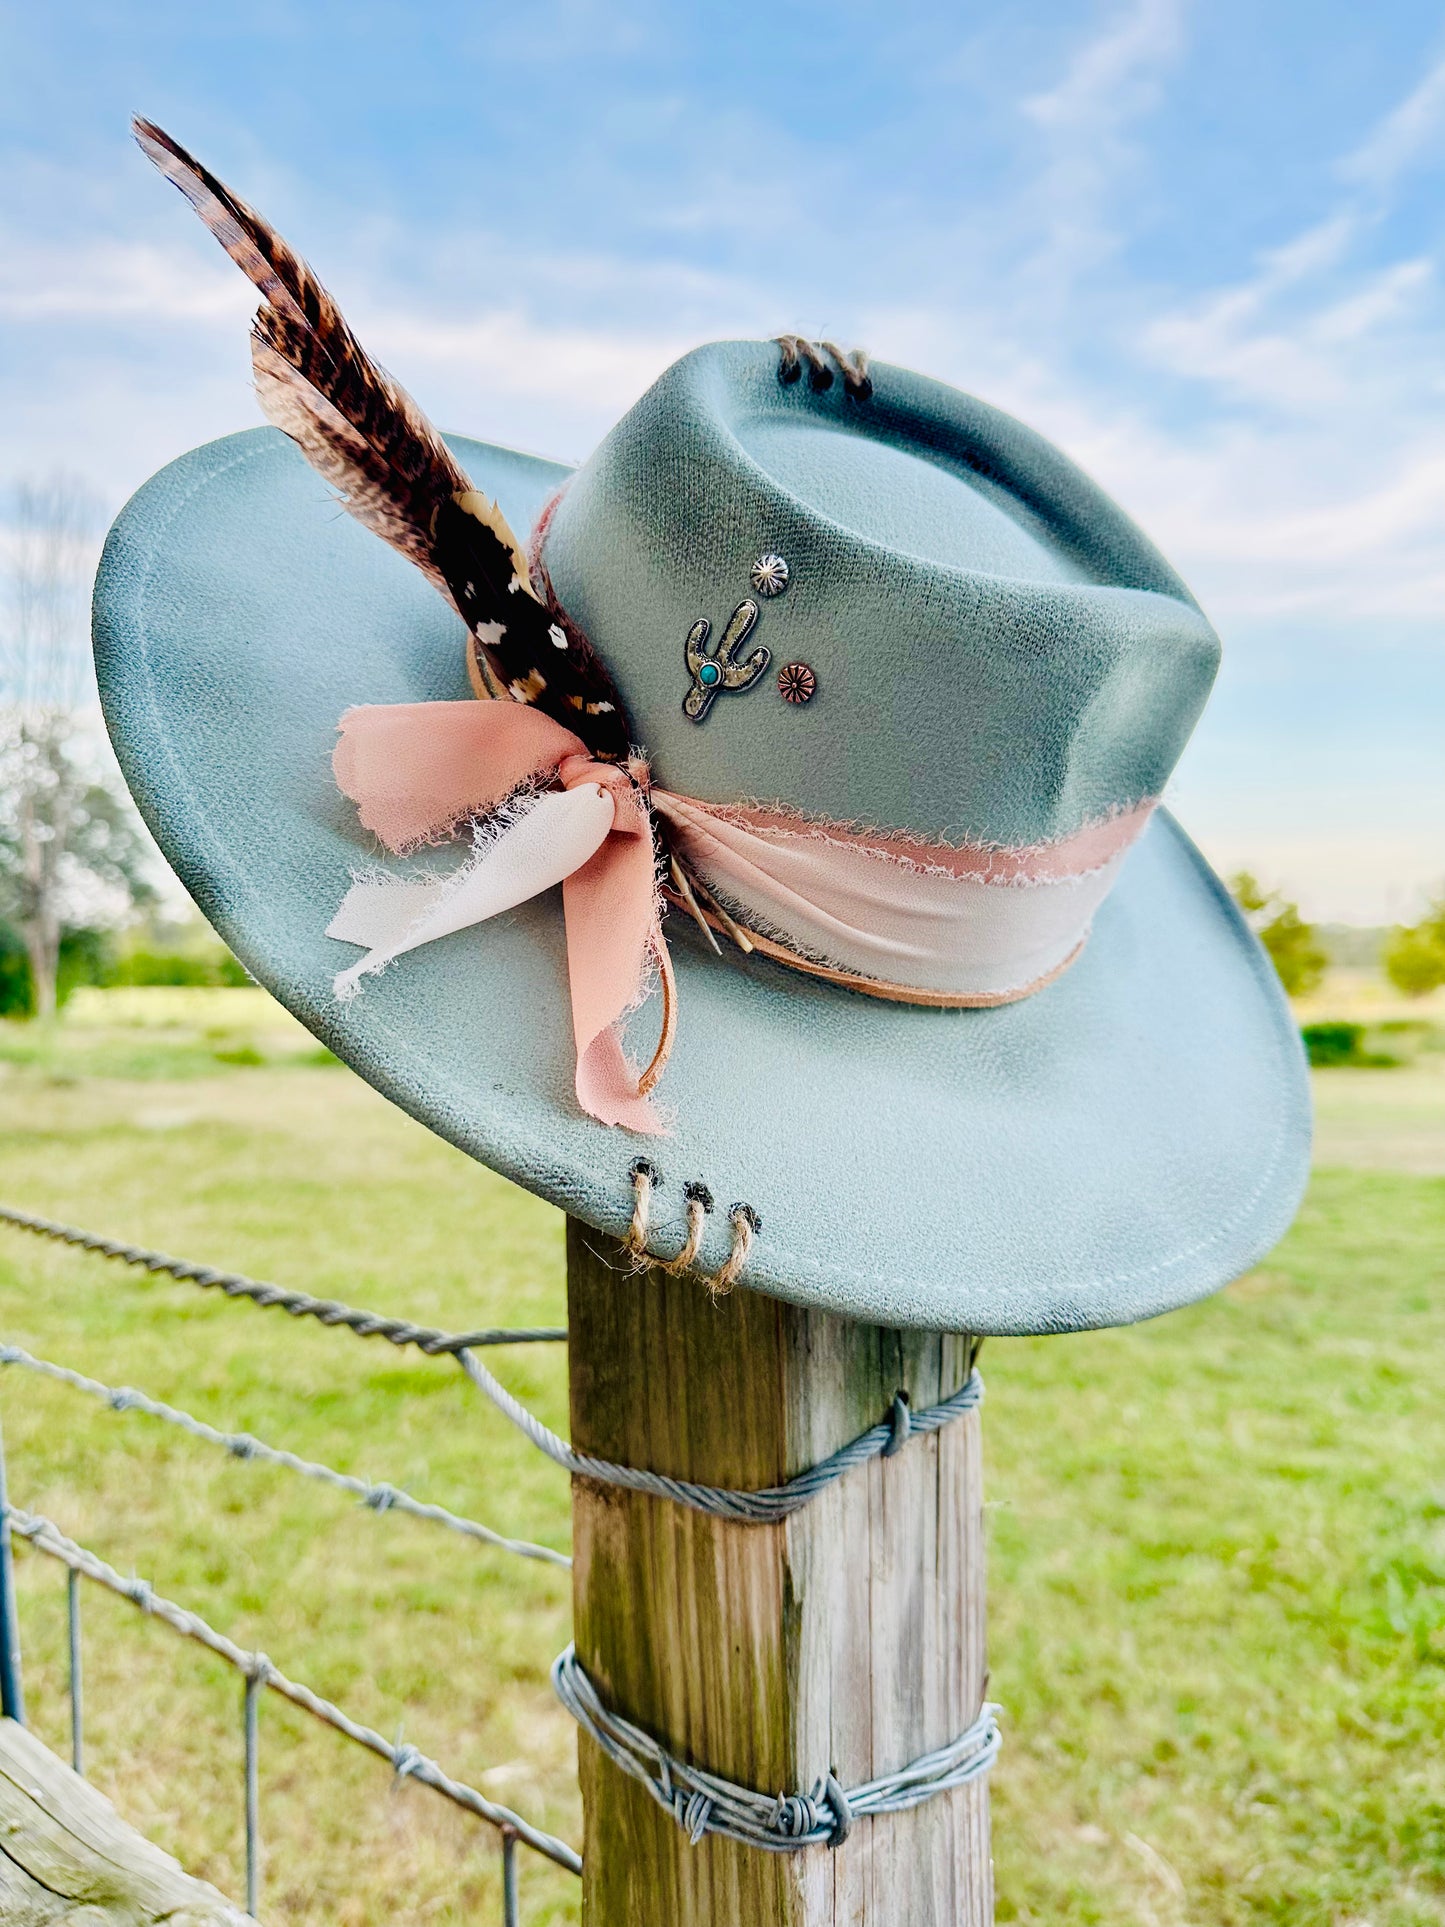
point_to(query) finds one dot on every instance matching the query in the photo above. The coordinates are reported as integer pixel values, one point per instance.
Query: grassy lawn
(1218, 1541)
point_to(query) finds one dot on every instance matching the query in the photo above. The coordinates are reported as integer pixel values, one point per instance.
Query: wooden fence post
(850, 1637)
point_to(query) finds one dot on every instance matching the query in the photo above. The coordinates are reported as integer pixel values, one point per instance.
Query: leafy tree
(1415, 954)
(1293, 945)
(86, 957)
(72, 851)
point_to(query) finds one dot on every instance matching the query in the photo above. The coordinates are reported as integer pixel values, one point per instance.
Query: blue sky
(1199, 245)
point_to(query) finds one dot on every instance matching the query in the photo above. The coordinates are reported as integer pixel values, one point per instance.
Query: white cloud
(1301, 362)
(1308, 481)
(1306, 476)
(1336, 509)
(1410, 133)
(1083, 123)
(107, 280)
(1114, 76)
(173, 367)
(593, 369)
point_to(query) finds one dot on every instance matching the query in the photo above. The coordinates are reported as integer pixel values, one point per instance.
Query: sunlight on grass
(160, 1032)
(1366, 997)
(1217, 1541)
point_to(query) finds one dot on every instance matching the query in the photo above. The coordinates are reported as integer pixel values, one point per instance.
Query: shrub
(1334, 1045)
(1415, 956)
(207, 969)
(92, 957)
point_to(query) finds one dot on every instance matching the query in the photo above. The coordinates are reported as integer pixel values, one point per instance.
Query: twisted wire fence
(259, 1675)
(299, 1304)
(701, 1802)
(377, 1495)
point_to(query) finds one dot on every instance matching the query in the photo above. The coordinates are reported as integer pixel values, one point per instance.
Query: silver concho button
(770, 575)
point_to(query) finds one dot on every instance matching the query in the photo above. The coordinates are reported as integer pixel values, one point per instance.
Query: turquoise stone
(708, 674)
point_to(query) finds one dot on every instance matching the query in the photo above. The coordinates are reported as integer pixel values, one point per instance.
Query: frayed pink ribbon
(882, 911)
(418, 771)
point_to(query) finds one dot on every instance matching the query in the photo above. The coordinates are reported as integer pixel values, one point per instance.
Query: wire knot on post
(795, 1814)
(901, 1419)
(842, 1807)
(694, 1814)
(763, 1507)
(703, 1802)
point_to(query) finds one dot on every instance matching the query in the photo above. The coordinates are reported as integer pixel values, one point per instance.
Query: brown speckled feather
(393, 471)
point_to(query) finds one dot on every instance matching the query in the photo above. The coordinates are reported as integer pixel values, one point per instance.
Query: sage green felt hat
(961, 660)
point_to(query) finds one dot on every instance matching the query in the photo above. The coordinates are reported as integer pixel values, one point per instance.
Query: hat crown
(994, 652)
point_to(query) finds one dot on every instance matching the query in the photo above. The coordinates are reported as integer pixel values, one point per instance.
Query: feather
(366, 436)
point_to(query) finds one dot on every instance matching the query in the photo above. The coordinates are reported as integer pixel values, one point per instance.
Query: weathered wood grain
(67, 1857)
(850, 1637)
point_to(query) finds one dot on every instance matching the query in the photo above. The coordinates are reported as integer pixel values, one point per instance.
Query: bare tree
(68, 838)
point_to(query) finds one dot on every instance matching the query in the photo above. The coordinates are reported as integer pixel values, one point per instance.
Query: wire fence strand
(700, 1802)
(703, 1802)
(45, 1536)
(299, 1304)
(376, 1495)
(764, 1507)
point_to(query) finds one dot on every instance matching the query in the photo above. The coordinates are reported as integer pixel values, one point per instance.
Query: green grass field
(1217, 1541)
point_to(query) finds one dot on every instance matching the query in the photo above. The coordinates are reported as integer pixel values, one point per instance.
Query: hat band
(895, 916)
(900, 918)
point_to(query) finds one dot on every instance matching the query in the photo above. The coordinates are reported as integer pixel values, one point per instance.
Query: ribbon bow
(418, 772)
(877, 911)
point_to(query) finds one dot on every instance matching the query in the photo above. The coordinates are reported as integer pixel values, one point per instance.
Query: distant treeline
(1412, 956)
(109, 959)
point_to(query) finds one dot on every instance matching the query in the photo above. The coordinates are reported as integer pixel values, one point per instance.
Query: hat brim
(1119, 1144)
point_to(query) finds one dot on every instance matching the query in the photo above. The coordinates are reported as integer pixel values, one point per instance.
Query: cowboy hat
(839, 705)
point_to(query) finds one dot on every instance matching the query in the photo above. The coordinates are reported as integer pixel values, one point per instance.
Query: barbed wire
(406, 1761)
(376, 1495)
(299, 1304)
